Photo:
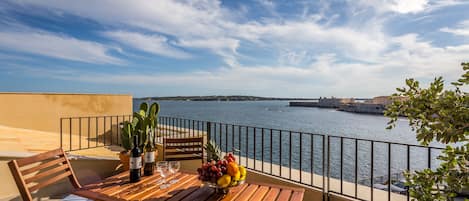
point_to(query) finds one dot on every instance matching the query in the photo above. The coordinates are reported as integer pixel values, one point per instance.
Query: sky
(285, 48)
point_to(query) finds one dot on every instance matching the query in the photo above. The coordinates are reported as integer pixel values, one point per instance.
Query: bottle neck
(135, 141)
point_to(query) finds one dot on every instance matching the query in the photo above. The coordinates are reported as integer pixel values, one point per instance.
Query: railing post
(328, 166)
(323, 166)
(70, 122)
(61, 132)
(209, 131)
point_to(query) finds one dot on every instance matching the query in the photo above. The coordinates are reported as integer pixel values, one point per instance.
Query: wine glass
(174, 167)
(163, 169)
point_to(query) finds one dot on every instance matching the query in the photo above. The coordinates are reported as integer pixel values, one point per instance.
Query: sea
(279, 115)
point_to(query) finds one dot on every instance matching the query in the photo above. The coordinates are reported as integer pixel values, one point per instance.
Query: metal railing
(290, 155)
(325, 162)
(373, 161)
(264, 146)
(77, 133)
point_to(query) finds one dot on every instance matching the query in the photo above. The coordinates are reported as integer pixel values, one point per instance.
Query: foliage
(440, 115)
(143, 124)
(213, 151)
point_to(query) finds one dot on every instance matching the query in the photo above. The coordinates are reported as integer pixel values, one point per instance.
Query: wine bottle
(135, 162)
(149, 159)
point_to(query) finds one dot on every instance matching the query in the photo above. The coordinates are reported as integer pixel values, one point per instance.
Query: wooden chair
(176, 149)
(53, 166)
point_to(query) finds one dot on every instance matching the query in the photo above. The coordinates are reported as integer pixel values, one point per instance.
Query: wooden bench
(177, 149)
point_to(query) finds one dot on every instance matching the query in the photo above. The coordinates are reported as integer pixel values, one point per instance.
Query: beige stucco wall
(42, 111)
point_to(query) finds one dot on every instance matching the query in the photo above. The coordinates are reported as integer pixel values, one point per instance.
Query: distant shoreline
(225, 98)
(222, 98)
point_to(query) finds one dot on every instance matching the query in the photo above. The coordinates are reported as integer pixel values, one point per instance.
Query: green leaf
(442, 115)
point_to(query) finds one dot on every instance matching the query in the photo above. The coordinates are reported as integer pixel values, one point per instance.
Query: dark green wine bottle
(135, 162)
(149, 159)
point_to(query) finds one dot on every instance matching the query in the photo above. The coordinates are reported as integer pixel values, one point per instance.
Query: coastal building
(377, 105)
(370, 108)
(334, 102)
(384, 100)
(324, 102)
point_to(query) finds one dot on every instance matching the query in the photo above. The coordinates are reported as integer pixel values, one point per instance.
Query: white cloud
(205, 24)
(326, 76)
(462, 29)
(57, 46)
(408, 6)
(225, 47)
(170, 17)
(315, 59)
(155, 44)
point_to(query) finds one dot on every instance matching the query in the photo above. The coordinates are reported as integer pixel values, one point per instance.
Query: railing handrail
(242, 125)
(385, 142)
(94, 116)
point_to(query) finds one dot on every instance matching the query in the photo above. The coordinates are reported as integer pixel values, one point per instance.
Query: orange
(232, 169)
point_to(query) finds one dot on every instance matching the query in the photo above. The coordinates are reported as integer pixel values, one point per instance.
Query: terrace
(327, 167)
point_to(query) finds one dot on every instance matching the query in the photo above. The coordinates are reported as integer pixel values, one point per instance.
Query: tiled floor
(15, 141)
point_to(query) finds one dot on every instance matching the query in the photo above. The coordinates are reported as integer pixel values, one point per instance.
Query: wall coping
(62, 93)
(20, 154)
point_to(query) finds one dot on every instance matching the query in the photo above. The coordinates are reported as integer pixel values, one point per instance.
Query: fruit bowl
(222, 174)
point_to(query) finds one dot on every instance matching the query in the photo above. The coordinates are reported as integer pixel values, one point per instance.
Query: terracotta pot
(125, 159)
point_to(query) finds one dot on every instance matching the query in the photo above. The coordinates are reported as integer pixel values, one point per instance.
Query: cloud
(57, 46)
(462, 29)
(207, 25)
(408, 6)
(325, 76)
(154, 44)
(312, 53)
(224, 47)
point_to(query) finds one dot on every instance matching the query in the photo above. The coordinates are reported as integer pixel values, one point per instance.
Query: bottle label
(135, 162)
(149, 157)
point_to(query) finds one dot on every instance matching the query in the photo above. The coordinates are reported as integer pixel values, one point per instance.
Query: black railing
(169, 127)
(77, 133)
(372, 166)
(274, 152)
(333, 164)
(289, 155)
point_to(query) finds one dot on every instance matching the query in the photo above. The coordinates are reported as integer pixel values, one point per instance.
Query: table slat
(125, 185)
(284, 195)
(233, 194)
(272, 194)
(246, 194)
(260, 193)
(145, 187)
(164, 194)
(297, 196)
(188, 190)
(200, 194)
(155, 190)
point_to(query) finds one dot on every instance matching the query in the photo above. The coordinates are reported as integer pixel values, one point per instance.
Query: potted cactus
(143, 124)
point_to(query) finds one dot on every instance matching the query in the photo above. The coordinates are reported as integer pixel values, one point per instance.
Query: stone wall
(42, 111)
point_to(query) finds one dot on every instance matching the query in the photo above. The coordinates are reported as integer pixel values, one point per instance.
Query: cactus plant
(143, 124)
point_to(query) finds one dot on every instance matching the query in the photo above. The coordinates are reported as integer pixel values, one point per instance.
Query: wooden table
(188, 188)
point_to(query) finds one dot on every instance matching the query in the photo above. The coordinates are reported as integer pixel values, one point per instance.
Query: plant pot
(124, 156)
(125, 159)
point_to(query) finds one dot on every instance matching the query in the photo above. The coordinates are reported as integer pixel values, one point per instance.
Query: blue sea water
(278, 115)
